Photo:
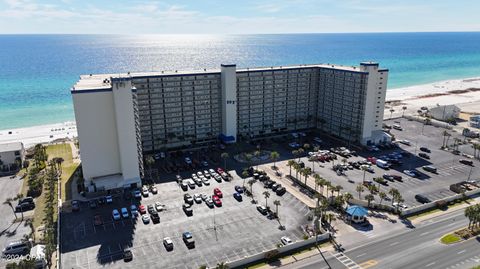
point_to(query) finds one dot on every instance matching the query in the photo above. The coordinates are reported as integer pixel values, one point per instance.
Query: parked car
(216, 200)
(285, 240)
(262, 209)
(188, 198)
(430, 168)
(116, 214)
(281, 191)
(146, 219)
(425, 149)
(424, 155)
(237, 196)
(145, 191)
(153, 190)
(205, 181)
(184, 186)
(168, 243)
(155, 217)
(209, 202)
(151, 209)
(109, 199)
(188, 239)
(405, 142)
(75, 205)
(191, 183)
(422, 198)
(125, 214)
(217, 192)
(466, 162)
(134, 211)
(16, 248)
(187, 208)
(410, 173)
(127, 255)
(141, 209)
(188, 160)
(239, 189)
(197, 198)
(388, 177)
(159, 207)
(97, 220)
(137, 194)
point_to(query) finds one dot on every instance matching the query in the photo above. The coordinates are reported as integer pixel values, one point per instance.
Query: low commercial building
(444, 113)
(121, 117)
(12, 156)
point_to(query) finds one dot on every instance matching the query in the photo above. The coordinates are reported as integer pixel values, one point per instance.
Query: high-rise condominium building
(120, 117)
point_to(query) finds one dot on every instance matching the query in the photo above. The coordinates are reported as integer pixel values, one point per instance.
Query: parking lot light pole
(470, 174)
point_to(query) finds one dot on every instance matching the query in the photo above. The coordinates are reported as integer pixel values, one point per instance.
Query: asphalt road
(416, 248)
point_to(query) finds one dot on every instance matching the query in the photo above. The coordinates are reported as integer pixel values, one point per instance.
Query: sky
(236, 17)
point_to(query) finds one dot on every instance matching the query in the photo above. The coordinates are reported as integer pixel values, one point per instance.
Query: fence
(284, 249)
(373, 205)
(424, 207)
(433, 122)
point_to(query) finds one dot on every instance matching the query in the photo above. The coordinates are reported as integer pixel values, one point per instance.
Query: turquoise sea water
(37, 71)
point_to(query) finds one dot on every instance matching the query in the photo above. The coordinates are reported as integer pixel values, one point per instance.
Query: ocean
(37, 71)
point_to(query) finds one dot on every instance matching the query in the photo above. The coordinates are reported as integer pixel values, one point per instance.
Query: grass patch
(64, 151)
(434, 210)
(450, 239)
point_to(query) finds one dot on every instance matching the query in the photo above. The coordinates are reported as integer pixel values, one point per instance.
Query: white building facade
(12, 156)
(121, 117)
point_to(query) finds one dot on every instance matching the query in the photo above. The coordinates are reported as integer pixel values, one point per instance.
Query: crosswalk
(368, 234)
(341, 257)
(466, 263)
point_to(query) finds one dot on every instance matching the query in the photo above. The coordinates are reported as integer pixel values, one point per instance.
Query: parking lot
(432, 185)
(221, 234)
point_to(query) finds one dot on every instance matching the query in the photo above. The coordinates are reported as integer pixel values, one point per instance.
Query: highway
(413, 248)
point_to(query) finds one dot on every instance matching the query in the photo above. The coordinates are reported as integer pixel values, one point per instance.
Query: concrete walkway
(449, 210)
(296, 257)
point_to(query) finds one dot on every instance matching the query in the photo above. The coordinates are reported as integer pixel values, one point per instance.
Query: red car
(217, 192)
(142, 209)
(373, 160)
(220, 170)
(216, 200)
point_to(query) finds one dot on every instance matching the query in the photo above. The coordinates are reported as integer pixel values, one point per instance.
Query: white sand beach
(466, 94)
(39, 134)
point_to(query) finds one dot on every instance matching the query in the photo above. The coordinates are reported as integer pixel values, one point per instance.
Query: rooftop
(14, 146)
(103, 81)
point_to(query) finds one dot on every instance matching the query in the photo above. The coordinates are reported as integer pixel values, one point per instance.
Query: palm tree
(391, 112)
(403, 113)
(426, 121)
(338, 188)
(274, 156)
(307, 172)
(306, 146)
(267, 195)
(300, 152)
(464, 133)
(369, 198)
(470, 214)
(224, 156)
(277, 204)
(317, 178)
(364, 169)
(248, 158)
(322, 183)
(456, 142)
(149, 161)
(297, 169)
(244, 175)
(294, 153)
(251, 182)
(333, 189)
(290, 163)
(382, 196)
(8, 202)
(221, 265)
(328, 184)
(394, 193)
(347, 196)
(344, 161)
(360, 189)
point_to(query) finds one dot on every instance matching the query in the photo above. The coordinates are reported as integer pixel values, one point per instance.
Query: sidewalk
(295, 257)
(288, 185)
(449, 210)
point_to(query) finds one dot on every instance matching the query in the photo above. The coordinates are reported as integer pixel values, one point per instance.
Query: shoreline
(464, 93)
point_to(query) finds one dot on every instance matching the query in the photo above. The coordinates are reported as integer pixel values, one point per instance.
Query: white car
(145, 191)
(199, 173)
(146, 219)
(125, 213)
(159, 207)
(197, 198)
(116, 214)
(211, 171)
(109, 199)
(206, 181)
(400, 205)
(285, 240)
(168, 243)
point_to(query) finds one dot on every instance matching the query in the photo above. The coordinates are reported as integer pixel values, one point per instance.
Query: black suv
(425, 149)
(424, 155)
(422, 199)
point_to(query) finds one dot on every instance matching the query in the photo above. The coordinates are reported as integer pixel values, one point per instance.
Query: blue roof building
(357, 213)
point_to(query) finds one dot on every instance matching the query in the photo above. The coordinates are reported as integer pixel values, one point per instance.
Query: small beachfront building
(12, 156)
(356, 213)
(444, 113)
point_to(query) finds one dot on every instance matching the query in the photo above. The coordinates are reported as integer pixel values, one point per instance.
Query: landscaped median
(450, 238)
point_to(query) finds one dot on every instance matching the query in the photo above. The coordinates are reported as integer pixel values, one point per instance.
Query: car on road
(466, 162)
(168, 243)
(97, 220)
(141, 209)
(197, 198)
(109, 199)
(146, 219)
(116, 214)
(430, 168)
(125, 214)
(216, 200)
(127, 255)
(422, 198)
(262, 209)
(424, 155)
(187, 208)
(285, 240)
(188, 239)
(237, 196)
(218, 192)
(188, 198)
(410, 173)
(425, 149)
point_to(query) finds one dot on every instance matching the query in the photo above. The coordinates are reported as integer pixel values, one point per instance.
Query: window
(17, 153)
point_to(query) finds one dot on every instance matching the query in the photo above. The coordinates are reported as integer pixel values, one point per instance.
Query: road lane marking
(394, 243)
(463, 251)
(425, 233)
(430, 264)
(363, 254)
